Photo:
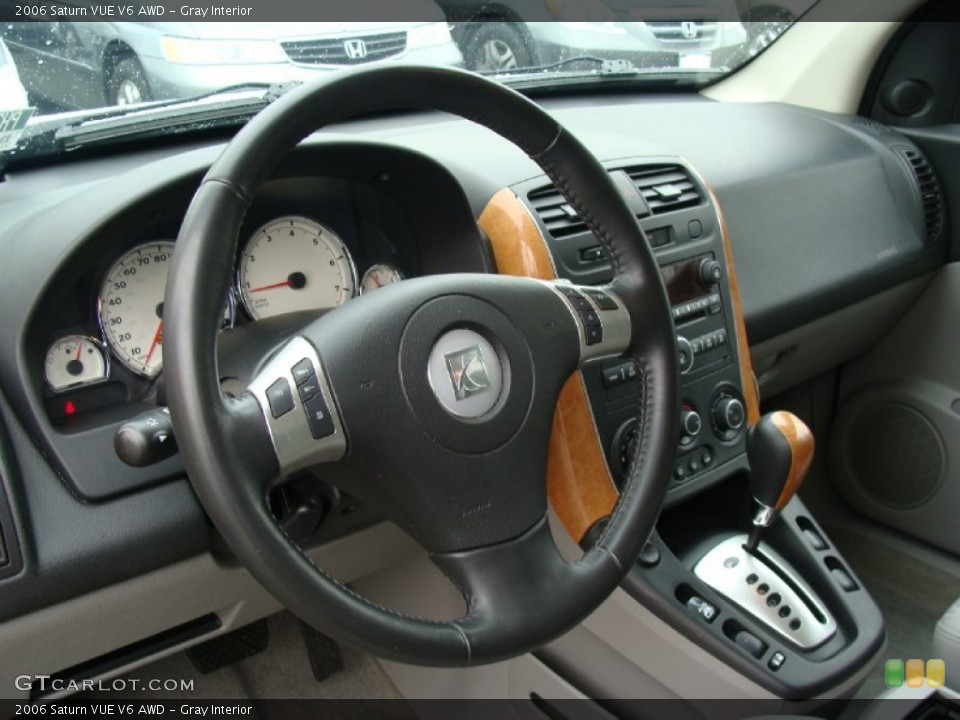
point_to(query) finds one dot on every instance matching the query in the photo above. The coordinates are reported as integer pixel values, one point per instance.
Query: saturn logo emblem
(468, 372)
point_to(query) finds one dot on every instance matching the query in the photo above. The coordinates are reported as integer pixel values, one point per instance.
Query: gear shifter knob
(780, 448)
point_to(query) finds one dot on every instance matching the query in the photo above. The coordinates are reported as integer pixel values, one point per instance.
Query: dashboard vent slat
(555, 212)
(930, 192)
(665, 187)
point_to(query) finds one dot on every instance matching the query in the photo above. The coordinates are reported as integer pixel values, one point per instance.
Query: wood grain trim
(579, 484)
(801, 442)
(748, 380)
(518, 246)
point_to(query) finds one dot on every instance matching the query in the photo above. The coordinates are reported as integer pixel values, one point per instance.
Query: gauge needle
(375, 281)
(285, 283)
(156, 340)
(79, 350)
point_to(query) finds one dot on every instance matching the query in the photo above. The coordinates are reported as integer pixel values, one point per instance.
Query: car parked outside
(12, 94)
(502, 36)
(91, 64)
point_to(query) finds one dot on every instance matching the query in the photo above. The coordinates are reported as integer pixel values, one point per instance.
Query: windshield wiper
(168, 114)
(619, 68)
(59, 134)
(553, 74)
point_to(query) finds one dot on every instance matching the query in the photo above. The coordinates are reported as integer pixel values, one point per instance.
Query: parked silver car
(12, 94)
(91, 64)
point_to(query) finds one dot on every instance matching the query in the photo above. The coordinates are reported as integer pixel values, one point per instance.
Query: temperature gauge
(75, 360)
(379, 275)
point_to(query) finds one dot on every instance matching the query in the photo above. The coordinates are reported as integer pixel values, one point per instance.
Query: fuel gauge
(75, 360)
(379, 275)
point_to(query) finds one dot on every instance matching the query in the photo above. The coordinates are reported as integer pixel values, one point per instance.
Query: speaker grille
(896, 455)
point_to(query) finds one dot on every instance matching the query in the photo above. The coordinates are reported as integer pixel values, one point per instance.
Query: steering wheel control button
(318, 417)
(465, 374)
(313, 434)
(280, 398)
(590, 317)
(601, 299)
(593, 334)
(685, 355)
(603, 322)
(308, 388)
(303, 371)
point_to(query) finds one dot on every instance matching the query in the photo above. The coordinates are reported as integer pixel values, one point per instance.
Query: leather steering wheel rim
(520, 594)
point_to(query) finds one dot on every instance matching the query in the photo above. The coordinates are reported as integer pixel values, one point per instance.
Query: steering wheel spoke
(601, 318)
(298, 407)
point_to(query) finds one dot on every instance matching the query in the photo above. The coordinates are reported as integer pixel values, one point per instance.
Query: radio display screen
(682, 281)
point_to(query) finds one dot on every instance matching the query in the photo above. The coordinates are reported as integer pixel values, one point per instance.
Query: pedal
(230, 647)
(326, 657)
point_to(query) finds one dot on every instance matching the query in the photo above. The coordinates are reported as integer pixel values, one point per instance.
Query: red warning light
(69, 408)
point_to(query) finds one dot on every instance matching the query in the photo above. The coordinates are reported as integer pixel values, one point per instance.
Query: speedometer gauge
(294, 263)
(131, 307)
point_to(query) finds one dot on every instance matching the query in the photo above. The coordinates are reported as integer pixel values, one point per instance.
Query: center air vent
(930, 192)
(556, 213)
(665, 187)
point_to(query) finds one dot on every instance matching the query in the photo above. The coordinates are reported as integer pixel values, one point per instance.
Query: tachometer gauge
(379, 275)
(131, 307)
(294, 263)
(75, 360)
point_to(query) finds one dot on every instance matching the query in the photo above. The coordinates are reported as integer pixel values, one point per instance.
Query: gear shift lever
(780, 448)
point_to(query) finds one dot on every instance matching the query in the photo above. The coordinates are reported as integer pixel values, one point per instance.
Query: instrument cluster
(291, 263)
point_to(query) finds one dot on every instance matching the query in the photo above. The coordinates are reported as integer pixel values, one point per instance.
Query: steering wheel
(431, 399)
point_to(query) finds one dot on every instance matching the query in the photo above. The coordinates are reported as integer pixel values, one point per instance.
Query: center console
(786, 612)
(684, 228)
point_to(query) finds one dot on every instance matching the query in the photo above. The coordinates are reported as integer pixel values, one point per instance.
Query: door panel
(895, 443)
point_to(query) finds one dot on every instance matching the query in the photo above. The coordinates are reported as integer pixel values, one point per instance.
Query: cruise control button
(308, 388)
(318, 417)
(280, 398)
(302, 371)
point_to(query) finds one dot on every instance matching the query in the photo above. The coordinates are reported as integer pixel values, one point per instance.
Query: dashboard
(107, 344)
(817, 211)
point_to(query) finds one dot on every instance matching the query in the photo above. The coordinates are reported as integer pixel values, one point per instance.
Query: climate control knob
(729, 415)
(690, 425)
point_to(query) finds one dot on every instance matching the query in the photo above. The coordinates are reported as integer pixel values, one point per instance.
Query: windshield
(75, 73)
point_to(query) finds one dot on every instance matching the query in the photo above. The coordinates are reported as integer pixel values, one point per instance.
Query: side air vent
(665, 187)
(929, 191)
(556, 213)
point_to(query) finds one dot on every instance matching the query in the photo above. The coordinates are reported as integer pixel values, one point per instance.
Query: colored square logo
(915, 673)
(936, 673)
(893, 673)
